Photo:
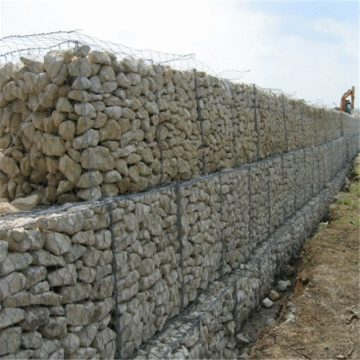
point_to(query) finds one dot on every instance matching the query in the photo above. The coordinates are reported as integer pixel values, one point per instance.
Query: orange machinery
(347, 105)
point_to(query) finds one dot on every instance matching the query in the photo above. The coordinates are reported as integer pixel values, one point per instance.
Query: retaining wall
(174, 270)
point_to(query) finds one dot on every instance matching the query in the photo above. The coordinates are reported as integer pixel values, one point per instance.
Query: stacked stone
(321, 127)
(300, 178)
(307, 116)
(294, 124)
(56, 287)
(321, 167)
(244, 130)
(276, 193)
(217, 127)
(235, 221)
(80, 125)
(310, 177)
(200, 212)
(148, 271)
(270, 124)
(289, 184)
(178, 132)
(259, 202)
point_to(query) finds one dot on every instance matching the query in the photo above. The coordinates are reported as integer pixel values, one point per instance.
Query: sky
(308, 49)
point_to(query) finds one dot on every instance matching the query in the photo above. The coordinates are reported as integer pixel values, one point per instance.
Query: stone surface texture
(243, 185)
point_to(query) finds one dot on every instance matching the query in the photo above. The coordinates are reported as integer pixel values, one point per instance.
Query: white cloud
(318, 59)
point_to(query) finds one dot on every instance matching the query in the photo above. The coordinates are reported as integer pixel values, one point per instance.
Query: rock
(98, 158)
(289, 270)
(57, 243)
(80, 67)
(67, 130)
(267, 303)
(39, 288)
(53, 145)
(34, 274)
(102, 239)
(14, 262)
(90, 179)
(87, 275)
(31, 340)
(281, 285)
(11, 284)
(87, 334)
(27, 203)
(273, 295)
(243, 340)
(47, 348)
(80, 314)
(64, 105)
(3, 251)
(85, 109)
(102, 338)
(113, 112)
(89, 139)
(75, 253)
(63, 276)
(10, 340)
(106, 74)
(81, 83)
(104, 288)
(70, 169)
(33, 62)
(70, 343)
(43, 257)
(92, 194)
(99, 57)
(102, 309)
(6, 208)
(55, 327)
(10, 317)
(78, 292)
(270, 322)
(123, 81)
(35, 316)
(83, 353)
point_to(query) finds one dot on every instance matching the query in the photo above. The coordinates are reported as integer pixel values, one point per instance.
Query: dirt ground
(320, 317)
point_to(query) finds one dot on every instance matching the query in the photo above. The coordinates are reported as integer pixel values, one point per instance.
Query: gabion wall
(176, 269)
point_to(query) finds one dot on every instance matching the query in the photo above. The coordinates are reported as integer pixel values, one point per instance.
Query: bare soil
(320, 318)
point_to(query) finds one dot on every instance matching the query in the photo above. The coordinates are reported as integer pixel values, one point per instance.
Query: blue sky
(306, 48)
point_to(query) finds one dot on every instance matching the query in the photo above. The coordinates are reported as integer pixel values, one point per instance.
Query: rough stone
(70, 168)
(10, 340)
(35, 316)
(10, 316)
(70, 343)
(267, 303)
(80, 314)
(55, 327)
(11, 284)
(63, 276)
(45, 258)
(97, 158)
(281, 285)
(31, 340)
(27, 203)
(273, 295)
(15, 262)
(57, 243)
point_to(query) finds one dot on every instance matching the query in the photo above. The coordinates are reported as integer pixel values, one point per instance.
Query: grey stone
(87, 334)
(35, 316)
(76, 252)
(48, 347)
(87, 275)
(70, 343)
(97, 158)
(57, 243)
(31, 340)
(70, 168)
(14, 262)
(89, 139)
(45, 258)
(104, 288)
(10, 340)
(267, 303)
(3, 250)
(83, 353)
(34, 274)
(78, 292)
(55, 327)
(80, 314)
(80, 67)
(103, 308)
(102, 239)
(102, 338)
(63, 276)
(10, 316)
(281, 285)
(11, 284)
(99, 57)
(40, 288)
(90, 179)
